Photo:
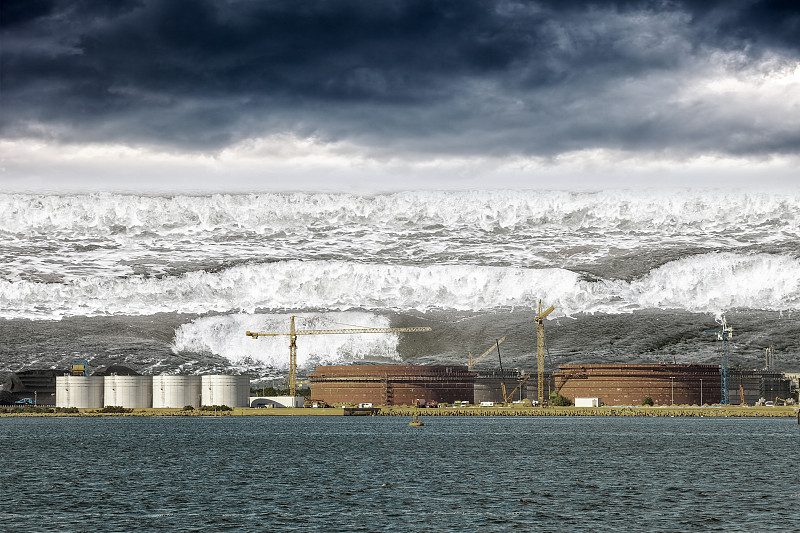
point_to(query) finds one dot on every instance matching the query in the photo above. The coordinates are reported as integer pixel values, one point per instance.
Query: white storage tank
(176, 391)
(79, 391)
(130, 392)
(233, 391)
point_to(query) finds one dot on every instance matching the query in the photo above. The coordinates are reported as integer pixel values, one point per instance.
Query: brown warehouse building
(617, 384)
(392, 384)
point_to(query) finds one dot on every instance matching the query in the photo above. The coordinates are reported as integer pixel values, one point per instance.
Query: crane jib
(256, 334)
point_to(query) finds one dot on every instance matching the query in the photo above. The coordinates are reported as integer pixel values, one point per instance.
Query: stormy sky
(215, 95)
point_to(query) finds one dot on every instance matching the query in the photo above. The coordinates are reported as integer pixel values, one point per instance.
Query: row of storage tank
(134, 392)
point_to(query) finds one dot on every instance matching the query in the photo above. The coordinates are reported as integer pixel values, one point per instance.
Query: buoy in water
(416, 422)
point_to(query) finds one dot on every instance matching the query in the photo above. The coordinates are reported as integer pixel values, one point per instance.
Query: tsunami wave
(69, 239)
(711, 283)
(264, 214)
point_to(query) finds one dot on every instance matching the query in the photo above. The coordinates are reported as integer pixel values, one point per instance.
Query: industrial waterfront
(377, 474)
(385, 389)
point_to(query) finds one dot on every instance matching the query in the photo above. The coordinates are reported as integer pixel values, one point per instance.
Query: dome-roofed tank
(176, 391)
(629, 384)
(115, 370)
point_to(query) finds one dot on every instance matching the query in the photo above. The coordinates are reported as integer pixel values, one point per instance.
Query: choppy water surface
(378, 474)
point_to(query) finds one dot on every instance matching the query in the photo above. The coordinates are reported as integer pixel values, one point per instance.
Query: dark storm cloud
(494, 77)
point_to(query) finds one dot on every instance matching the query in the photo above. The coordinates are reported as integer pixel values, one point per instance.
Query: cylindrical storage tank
(131, 392)
(233, 391)
(629, 384)
(392, 384)
(176, 391)
(79, 391)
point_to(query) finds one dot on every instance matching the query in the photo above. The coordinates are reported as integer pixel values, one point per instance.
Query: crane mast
(294, 332)
(539, 319)
(292, 358)
(724, 334)
(502, 376)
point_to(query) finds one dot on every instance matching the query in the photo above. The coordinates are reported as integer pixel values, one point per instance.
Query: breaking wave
(224, 336)
(263, 214)
(68, 239)
(711, 282)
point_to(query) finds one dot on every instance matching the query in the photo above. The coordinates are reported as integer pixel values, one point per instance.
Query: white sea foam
(224, 336)
(720, 281)
(703, 283)
(65, 237)
(486, 210)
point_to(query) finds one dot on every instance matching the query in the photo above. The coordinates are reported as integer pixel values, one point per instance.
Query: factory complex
(611, 384)
(374, 385)
(430, 385)
(405, 385)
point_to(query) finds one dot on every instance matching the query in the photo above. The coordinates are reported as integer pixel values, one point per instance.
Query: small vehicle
(24, 401)
(315, 404)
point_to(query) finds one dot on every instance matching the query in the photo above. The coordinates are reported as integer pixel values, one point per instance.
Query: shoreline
(673, 411)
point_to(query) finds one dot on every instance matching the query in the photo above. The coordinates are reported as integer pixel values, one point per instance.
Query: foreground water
(378, 474)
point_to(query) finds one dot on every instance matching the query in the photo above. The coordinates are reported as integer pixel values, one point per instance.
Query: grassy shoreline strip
(705, 412)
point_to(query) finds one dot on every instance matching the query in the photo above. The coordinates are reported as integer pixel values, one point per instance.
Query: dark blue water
(379, 474)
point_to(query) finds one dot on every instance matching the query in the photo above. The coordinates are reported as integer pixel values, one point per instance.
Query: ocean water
(171, 283)
(369, 474)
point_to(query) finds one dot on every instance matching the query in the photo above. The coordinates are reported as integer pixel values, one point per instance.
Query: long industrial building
(391, 384)
(629, 384)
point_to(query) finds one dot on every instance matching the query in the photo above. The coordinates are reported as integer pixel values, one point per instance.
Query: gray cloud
(409, 77)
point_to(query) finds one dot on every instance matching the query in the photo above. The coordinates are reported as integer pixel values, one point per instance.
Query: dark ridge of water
(377, 474)
(145, 343)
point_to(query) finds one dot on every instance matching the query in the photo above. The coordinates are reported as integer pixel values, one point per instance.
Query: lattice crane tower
(724, 334)
(539, 319)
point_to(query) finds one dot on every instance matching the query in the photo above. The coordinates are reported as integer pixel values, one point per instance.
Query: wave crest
(702, 283)
(264, 214)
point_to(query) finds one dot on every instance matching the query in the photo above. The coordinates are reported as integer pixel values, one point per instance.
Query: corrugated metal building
(392, 384)
(620, 384)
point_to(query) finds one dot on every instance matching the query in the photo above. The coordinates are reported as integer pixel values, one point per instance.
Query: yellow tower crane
(294, 332)
(540, 347)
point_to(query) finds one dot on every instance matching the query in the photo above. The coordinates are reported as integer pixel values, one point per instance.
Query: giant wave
(29, 214)
(73, 238)
(710, 283)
